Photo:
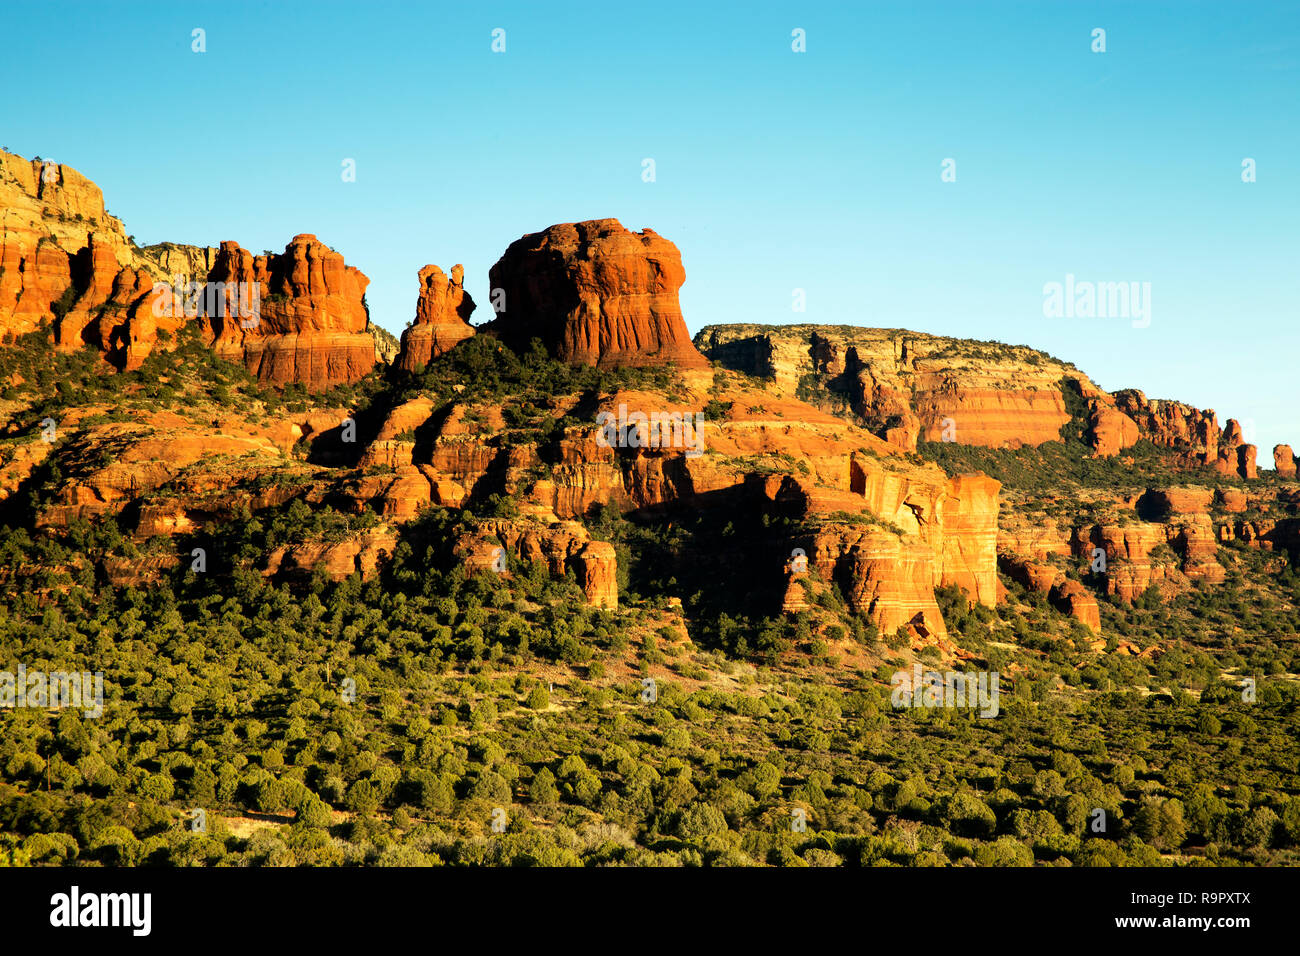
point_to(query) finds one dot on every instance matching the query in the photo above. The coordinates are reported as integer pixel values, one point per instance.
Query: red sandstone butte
(595, 293)
(441, 317)
(311, 326)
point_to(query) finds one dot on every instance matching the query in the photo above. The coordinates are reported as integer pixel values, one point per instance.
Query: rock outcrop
(968, 515)
(562, 545)
(310, 326)
(1110, 431)
(1066, 595)
(595, 293)
(65, 262)
(1192, 432)
(49, 213)
(1161, 503)
(909, 386)
(906, 385)
(1172, 424)
(441, 317)
(362, 552)
(1284, 461)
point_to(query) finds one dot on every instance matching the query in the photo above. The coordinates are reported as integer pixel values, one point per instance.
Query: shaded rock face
(311, 324)
(441, 317)
(1246, 461)
(1160, 503)
(387, 346)
(595, 293)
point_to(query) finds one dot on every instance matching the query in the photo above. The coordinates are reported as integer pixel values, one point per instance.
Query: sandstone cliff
(65, 262)
(907, 385)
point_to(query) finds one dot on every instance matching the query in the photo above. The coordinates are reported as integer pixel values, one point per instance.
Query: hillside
(633, 599)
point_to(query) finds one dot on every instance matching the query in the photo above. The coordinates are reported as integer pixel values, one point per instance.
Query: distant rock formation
(387, 347)
(66, 263)
(1067, 595)
(441, 318)
(595, 293)
(907, 385)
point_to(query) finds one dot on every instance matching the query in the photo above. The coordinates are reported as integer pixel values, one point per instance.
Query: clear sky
(775, 170)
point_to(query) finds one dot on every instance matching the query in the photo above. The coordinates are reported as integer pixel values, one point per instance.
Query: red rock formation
(48, 214)
(1130, 568)
(1132, 561)
(1074, 599)
(1172, 424)
(1164, 502)
(64, 260)
(311, 324)
(595, 293)
(1196, 542)
(146, 455)
(93, 274)
(362, 552)
(992, 418)
(1232, 500)
(562, 546)
(1110, 430)
(596, 567)
(887, 578)
(796, 595)
(1246, 461)
(441, 317)
(1284, 461)
(907, 385)
(1068, 596)
(968, 515)
(1193, 432)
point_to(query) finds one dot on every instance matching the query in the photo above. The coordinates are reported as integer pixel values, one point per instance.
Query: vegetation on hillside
(386, 722)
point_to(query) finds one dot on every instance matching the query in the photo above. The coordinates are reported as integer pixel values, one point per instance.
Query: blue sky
(775, 170)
